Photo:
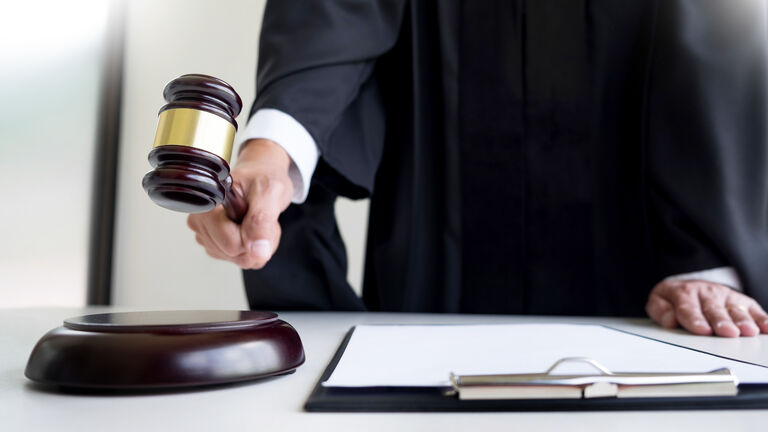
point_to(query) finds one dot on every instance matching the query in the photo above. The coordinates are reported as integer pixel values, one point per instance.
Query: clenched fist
(261, 174)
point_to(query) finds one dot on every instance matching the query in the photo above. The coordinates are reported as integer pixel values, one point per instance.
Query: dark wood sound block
(165, 349)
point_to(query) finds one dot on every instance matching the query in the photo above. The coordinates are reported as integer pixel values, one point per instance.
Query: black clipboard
(431, 399)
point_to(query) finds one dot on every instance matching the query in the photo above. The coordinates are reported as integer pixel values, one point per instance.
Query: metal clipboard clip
(719, 382)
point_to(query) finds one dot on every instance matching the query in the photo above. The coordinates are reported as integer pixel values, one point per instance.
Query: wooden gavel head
(193, 145)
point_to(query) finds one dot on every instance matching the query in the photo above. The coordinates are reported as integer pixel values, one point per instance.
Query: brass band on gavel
(195, 128)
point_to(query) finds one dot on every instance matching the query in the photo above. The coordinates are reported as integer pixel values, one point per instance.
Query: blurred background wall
(157, 263)
(50, 66)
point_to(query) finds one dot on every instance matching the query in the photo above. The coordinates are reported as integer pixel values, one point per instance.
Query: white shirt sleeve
(288, 133)
(722, 275)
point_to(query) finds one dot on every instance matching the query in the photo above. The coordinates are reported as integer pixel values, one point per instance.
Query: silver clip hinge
(547, 385)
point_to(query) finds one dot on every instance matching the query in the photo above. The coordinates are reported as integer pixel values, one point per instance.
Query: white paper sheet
(424, 355)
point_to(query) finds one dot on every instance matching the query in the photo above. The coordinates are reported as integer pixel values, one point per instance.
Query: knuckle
(666, 286)
(263, 184)
(757, 309)
(658, 287)
(229, 245)
(680, 295)
(192, 223)
(273, 187)
(743, 299)
(654, 305)
(691, 287)
(711, 289)
(261, 217)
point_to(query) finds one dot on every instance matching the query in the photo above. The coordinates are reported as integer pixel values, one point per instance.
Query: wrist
(262, 150)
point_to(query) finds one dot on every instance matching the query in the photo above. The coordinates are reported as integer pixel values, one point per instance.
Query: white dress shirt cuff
(722, 275)
(288, 133)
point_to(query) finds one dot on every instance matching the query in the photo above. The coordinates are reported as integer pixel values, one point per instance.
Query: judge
(551, 157)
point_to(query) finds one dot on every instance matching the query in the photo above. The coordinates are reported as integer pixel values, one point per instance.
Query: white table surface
(276, 404)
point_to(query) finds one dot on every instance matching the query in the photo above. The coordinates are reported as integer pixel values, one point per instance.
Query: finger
(213, 253)
(760, 317)
(210, 248)
(683, 296)
(690, 316)
(242, 260)
(223, 233)
(192, 222)
(260, 230)
(261, 250)
(683, 299)
(661, 311)
(202, 237)
(740, 316)
(717, 316)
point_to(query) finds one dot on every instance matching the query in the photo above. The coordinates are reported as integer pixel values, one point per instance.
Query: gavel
(193, 145)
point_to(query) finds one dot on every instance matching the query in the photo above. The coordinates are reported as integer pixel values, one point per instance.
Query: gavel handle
(235, 204)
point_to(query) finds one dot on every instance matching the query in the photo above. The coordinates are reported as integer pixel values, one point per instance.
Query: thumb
(260, 230)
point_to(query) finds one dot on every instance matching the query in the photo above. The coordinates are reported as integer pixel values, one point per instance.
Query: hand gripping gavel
(193, 145)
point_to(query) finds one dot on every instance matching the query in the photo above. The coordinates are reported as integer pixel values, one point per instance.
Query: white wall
(157, 261)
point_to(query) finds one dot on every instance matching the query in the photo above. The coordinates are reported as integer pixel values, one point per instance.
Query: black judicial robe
(548, 157)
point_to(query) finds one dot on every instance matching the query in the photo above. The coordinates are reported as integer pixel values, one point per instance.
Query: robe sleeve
(706, 139)
(316, 60)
